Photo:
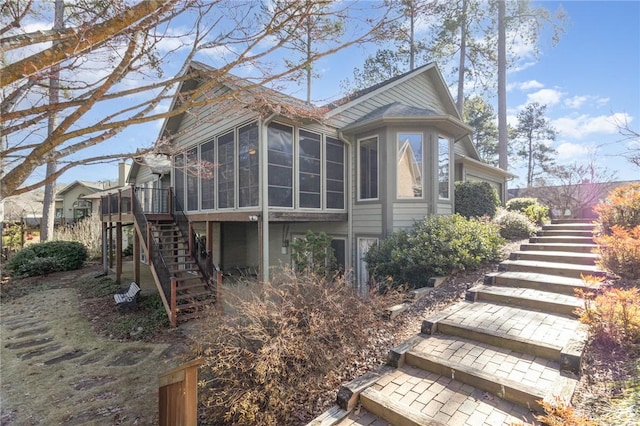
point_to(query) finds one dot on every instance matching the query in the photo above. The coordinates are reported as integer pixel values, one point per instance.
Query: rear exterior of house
(253, 172)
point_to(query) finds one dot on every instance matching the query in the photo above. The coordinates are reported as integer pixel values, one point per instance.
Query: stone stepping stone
(93, 358)
(27, 325)
(28, 333)
(65, 357)
(28, 343)
(39, 352)
(92, 382)
(18, 320)
(130, 357)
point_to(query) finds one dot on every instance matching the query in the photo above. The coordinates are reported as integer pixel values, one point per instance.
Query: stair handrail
(206, 266)
(156, 258)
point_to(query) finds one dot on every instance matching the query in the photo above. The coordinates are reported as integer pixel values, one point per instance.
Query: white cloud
(531, 84)
(569, 151)
(545, 97)
(576, 102)
(578, 127)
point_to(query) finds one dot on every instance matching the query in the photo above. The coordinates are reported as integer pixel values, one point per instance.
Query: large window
(309, 169)
(334, 173)
(409, 163)
(444, 168)
(207, 174)
(179, 165)
(280, 163)
(226, 198)
(368, 168)
(248, 164)
(193, 172)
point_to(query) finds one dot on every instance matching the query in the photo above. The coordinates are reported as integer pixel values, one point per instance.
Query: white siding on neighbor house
(367, 219)
(144, 175)
(202, 124)
(405, 214)
(417, 92)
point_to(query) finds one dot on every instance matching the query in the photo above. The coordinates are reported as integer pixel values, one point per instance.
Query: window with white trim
(368, 168)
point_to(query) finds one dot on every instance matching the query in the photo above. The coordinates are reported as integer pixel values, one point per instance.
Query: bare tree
(113, 73)
(633, 137)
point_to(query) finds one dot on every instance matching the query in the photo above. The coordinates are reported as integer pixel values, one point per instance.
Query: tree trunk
(461, 62)
(309, 75)
(412, 48)
(502, 88)
(49, 202)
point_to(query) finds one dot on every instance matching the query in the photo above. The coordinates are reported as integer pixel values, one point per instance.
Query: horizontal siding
(201, 124)
(367, 219)
(144, 175)
(445, 208)
(418, 92)
(405, 214)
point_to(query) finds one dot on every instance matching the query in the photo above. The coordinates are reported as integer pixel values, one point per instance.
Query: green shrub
(514, 225)
(436, 246)
(313, 254)
(47, 257)
(622, 208)
(476, 199)
(530, 207)
(520, 204)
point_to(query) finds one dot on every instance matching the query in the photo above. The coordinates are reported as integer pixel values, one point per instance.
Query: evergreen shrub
(530, 207)
(514, 225)
(437, 246)
(476, 199)
(50, 256)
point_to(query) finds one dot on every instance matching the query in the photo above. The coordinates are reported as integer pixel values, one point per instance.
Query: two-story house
(258, 169)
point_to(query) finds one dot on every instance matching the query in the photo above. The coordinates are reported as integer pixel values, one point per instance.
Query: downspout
(350, 199)
(264, 189)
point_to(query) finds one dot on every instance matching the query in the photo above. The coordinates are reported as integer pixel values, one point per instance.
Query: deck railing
(150, 201)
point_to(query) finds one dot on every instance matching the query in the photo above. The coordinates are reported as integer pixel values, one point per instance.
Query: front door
(362, 273)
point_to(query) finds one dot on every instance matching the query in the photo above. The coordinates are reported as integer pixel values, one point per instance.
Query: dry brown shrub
(274, 359)
(87, 231)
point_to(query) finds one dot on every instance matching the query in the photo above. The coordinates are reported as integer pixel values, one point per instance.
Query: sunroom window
(248, 162)
(334, 173)
(280, 165)
(444, 167)
(368, 168)
(309, 169)
(409, 164)
(226, 179)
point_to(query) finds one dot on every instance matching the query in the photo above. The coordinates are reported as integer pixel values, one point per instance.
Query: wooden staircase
(491, 359)
(194, 291)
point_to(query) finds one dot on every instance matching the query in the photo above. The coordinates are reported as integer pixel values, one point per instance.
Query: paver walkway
(491, 359)
(55, 371)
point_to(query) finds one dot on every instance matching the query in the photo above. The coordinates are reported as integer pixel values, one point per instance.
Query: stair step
(556, 256)
(393, 411)
(190, 308)
(526, 298)
(550, 268)
(537, 281)
(566, 247)
(192, 295)
(565, 233)
(509, 327)
(586, 224)
(440, 398)
(561, 239)
(571, 221)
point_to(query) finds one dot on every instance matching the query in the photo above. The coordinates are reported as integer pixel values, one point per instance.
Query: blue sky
(588, 81)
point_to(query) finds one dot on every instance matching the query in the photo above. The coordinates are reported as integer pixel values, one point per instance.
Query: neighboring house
(81, 199)
(575, 201)
(260, 169)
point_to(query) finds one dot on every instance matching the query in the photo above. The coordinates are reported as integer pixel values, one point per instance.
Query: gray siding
(202, 124)
(367, 219)
(419, 92)
(405, 214)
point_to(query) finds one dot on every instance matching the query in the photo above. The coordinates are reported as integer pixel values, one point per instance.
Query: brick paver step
(587, 225)
(565, 233)
(536, 281)
(550, 268)
(571, 221)
(556, 256)
(437, 399)
(536, 333)
(526, 298)
(566, 247)
(561, 239)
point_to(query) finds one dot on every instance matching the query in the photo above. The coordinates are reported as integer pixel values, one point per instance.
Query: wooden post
(136, 257)
(170, 200)
(178, 395)
(118, 252)
(219, 295)
(260, 250)
(173, 304)
(105, 248)
(110, 244)
(119, 205)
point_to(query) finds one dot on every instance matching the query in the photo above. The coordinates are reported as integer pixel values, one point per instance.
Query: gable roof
(90, 186)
